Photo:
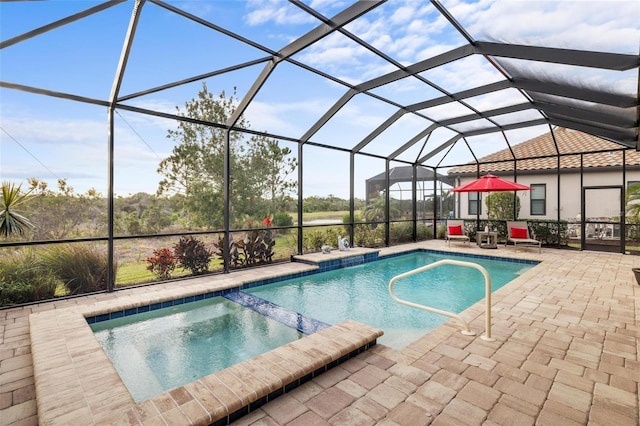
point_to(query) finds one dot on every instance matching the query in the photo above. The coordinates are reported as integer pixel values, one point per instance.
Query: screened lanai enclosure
(150, 140)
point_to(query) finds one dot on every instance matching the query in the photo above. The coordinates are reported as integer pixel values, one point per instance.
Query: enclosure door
(602, 212)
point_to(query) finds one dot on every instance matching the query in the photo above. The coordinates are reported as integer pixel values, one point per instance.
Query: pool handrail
(467, 330)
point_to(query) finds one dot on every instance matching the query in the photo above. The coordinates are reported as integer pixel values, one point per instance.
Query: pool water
(362, 293)
(166, 348)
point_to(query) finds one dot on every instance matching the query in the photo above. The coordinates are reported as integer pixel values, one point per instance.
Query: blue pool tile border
(155, 306)
(464, 255)
(344, 262)
(329, 265)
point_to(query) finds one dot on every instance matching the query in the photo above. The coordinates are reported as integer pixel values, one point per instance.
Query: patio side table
(488, 240)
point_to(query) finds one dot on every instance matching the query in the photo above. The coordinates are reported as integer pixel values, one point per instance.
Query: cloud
(455, 76)
(588, 25)
(277, 118)
(277, 12)
(334, 55)
(60, 132)
(400, 33)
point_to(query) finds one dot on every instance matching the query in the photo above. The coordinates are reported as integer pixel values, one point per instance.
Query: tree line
(61, 213)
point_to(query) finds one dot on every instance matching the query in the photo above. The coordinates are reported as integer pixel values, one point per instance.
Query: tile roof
(569, 142)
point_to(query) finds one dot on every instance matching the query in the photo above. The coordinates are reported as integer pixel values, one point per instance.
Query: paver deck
(566, 352)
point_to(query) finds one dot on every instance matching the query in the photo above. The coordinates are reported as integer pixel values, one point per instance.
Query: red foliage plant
(162, 263)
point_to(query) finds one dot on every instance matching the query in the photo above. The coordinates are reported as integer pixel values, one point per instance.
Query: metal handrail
(467, 330)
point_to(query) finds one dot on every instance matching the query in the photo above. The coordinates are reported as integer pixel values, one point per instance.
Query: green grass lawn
(324, 215)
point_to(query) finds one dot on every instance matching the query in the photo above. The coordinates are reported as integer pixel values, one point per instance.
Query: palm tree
(633, 199)
(375, 210)
(12, 222)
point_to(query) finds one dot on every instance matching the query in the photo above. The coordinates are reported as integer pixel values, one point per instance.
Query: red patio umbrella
(491, 183)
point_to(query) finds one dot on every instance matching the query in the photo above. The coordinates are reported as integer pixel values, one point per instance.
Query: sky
(49, 138)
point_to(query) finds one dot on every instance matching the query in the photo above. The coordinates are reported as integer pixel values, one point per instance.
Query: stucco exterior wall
(600, 203)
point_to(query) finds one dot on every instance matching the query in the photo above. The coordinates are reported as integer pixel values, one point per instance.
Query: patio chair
(518, 233)
(455, 231)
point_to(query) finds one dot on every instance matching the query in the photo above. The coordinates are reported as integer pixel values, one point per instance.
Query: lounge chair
(455, 231)
(518, 233)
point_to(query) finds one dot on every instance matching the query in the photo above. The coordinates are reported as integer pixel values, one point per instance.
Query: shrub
(82, 268)
(255, 248)
(314, 239)
(162, 263)
(192, 254)
(401, 232)
(366, 235)
(547, 231)
(234, 255)
(346, 218)
(282, 219)
(25, 278)
(632, 228)
(15, 293)
(424, 232)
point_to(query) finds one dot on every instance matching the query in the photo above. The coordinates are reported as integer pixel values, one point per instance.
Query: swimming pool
(166, 348)
(158, 348)
(361, 292)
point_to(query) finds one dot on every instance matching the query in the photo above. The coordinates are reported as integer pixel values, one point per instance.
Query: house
(561, 166)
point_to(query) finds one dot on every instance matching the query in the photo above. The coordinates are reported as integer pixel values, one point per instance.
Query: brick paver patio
(566, 352)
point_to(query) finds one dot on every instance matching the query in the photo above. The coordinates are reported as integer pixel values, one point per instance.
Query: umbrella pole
(489, 208)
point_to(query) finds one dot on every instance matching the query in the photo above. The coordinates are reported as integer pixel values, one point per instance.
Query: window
(475, 205)
(539, 199)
